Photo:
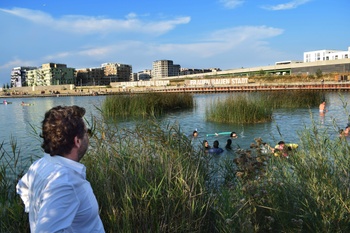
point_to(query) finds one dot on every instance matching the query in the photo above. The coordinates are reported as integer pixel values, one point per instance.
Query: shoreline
(93, 91)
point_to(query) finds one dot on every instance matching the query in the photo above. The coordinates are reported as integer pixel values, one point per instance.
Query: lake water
(18, 121)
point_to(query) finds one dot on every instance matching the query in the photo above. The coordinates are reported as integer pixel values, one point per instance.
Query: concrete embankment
(252, 87)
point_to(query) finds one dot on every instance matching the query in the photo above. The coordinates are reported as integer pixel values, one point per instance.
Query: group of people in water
(216, 148)
(282, 149)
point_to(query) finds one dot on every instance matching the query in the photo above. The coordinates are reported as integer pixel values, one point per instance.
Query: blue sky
(224, 34)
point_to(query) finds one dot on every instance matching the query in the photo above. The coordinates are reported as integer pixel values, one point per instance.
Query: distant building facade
(164, 68)
(51, 74)
(326, 55)
(19, 76)
(90, 77)
(188, 71)
(117, 72)
(144, 75)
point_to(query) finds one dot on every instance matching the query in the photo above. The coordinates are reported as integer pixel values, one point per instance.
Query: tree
(319, 73)
(261, 72)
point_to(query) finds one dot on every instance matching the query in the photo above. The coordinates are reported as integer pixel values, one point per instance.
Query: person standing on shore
(54, 190)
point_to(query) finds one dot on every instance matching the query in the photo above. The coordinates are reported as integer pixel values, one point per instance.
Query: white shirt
(58, 197)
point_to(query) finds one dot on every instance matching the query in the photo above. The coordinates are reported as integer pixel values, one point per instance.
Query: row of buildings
(58, 74)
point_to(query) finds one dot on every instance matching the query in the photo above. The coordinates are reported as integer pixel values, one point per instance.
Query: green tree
(319, 73)
(261, 72)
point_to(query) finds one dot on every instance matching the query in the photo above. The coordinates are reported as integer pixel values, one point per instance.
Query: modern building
(144, 75)
(164, 69)
(326, 55)
(90, 77)
(51, 74)
(117, 72)
(19, 76)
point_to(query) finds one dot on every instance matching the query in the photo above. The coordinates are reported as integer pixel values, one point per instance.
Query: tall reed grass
(293, 99)
(149, 178)
(12, 166)
(258, 107)
(308, 192)
(145, 105)
(240, 109)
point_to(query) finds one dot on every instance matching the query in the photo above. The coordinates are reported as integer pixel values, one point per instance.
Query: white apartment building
(19, 75)
(164, 68)
(326, 55)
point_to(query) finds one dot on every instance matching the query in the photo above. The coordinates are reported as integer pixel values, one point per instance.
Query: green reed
(148, 179)
(293, 99)
(145, 105)
(12, 166)
(239, 109)
(306, 192)
(258, 107)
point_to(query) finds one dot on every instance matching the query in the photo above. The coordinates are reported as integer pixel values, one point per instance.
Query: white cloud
(244, 44)
(15, 62)
(231, 3)
(217, 44)
(96, 25)
(286, 6)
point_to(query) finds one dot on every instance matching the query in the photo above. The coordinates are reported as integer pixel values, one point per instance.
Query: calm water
(18, 121)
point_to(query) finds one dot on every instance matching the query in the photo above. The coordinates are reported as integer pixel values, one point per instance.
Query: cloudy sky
(224, 34)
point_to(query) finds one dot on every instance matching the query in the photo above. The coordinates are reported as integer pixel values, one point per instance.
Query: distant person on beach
(54, 190)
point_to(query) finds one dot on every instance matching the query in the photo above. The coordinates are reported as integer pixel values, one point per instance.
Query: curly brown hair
(59, 127)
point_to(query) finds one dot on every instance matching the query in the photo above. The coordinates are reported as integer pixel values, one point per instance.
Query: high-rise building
(164, 68)
(19, 76)
(91, 77)
(117, 72)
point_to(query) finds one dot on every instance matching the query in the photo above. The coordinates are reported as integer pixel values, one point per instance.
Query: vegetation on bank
(145, 105)
(151, 179)
(258, 107)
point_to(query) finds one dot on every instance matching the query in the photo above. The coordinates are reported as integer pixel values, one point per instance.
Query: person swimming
(233, 135)
(206, 146)
(228, 144)
(216, 149)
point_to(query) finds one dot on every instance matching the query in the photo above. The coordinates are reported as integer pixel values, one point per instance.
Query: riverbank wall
(251, 87)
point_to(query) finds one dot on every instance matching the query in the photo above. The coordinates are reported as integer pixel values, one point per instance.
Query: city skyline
(225, 34)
